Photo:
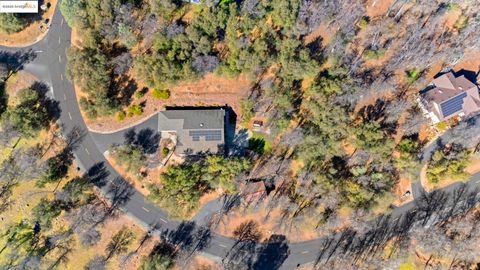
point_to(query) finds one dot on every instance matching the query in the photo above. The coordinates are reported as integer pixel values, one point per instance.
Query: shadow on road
(16, 60)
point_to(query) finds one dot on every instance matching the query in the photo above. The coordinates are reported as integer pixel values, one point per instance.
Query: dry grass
(212, 90)
(376, 8)
(16, 82)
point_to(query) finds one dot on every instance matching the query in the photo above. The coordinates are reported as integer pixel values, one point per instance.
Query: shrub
(246, 109)
(461, 22)
(362, 23)
(412, 75)
(453, 7)
(165, 151)
(121, 116)
(161, 94)
(139, 94)
(135, 110)
(374, 54)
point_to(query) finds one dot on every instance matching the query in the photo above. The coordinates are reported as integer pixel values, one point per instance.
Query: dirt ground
(267, 225)
(323, 31)
(32, 33)
(18, 81)
(153, 176)
(107, 230)
(200, 263)
(212, 90)
(403, 186)
(474, 166)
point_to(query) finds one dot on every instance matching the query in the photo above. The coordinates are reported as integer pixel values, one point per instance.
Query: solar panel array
(210, 135)
(453, 105)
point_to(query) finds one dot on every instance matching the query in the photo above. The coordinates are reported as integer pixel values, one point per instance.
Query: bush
(121, 116)
(246, 109)
(461, 22)
(135, 110)
(412, 75)
(442, 125)
(139, 94)
(10, 23)
(374, 54)
(165, 151)
(453, 7)
(161, 94)
(362, 23)
(448, 163)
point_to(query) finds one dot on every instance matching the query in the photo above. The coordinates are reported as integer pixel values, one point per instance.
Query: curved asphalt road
(49, 66)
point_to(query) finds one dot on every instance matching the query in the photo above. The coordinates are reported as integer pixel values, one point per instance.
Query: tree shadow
(187, 239)
(272, 253)
(125, 88)
(119, 193)
(469, 75)
(257, 145)
(147, 139)
(97, 174)
(15, 61)
(373, 112)
(52, 105)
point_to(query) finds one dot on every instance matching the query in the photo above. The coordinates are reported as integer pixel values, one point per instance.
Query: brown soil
(143, 251)
(200, 262)
(403, 186)
(323, 31)
(32, 33)
(470, 62)
(474, 166)
(212, 90)
(107, 229)
(267, 225)
(377, 7)
(445, 182)
(153, 176)
(451, 18)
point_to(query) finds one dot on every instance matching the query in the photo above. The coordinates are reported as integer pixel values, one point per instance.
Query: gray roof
(197, 130)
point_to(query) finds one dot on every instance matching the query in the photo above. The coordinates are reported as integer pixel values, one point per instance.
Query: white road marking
(69, 115)
(65, 96)
(61, 23)
(305, 252)
(38, 51)
(61, 76)
(163, 220)
(59, 59)
(59, 41)
(222, 245)
(145, 209)
(86, 150)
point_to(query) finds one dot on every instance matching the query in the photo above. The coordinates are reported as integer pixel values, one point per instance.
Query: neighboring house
(195, 130)
(449, 96)
(3, 72)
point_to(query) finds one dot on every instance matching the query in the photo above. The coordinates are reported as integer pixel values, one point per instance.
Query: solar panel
(453, 105)
(209, 135)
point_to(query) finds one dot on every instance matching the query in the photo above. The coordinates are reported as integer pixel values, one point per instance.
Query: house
(195, 130)
(449, 96)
